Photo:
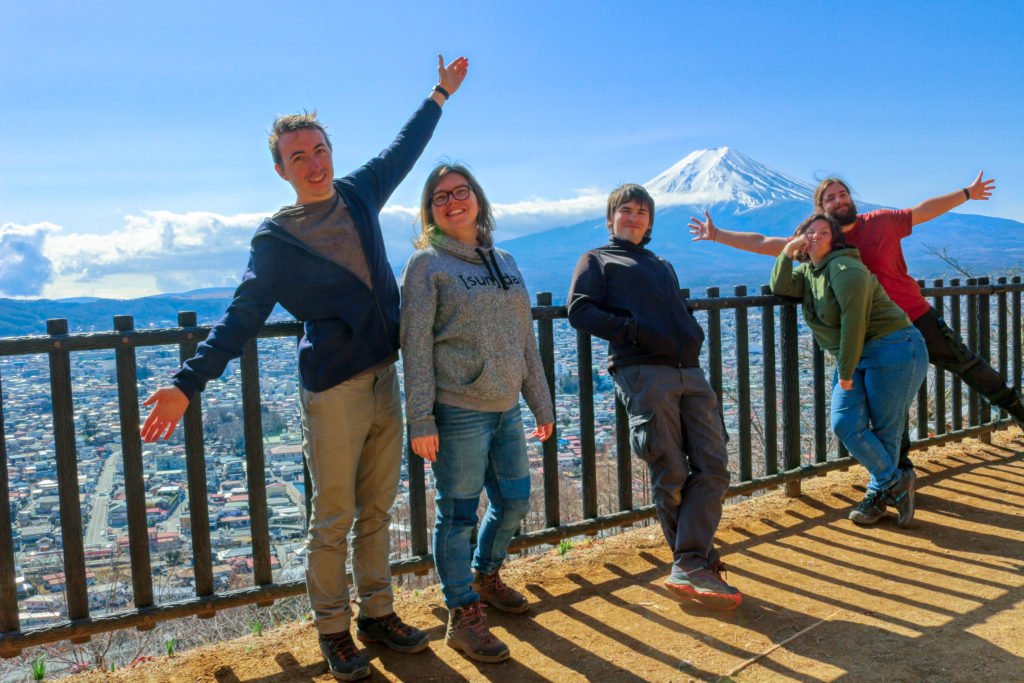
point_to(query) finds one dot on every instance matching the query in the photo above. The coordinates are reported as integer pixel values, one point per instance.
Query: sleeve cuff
(424, 427)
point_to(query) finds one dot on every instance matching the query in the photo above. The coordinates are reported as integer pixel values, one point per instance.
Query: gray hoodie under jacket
(467, 335)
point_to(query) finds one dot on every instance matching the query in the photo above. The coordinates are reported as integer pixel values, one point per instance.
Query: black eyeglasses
(441, 197)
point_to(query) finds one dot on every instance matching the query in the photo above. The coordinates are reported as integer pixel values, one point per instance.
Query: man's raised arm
(746, 241)
(936, 206)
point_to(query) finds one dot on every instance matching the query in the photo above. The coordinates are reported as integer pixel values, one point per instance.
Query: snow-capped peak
(712, 176)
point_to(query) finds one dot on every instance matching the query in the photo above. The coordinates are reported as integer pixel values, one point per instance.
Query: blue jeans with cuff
(869, 418)
(476, 451)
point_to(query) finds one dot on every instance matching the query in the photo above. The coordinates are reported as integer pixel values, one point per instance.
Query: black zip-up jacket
(349, 327)
(628, 295)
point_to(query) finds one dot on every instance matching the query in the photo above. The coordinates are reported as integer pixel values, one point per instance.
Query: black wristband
(441, 90)
(967, 194)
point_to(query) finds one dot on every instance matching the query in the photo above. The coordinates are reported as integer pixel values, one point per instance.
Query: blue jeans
(477, 450)
(870, 417)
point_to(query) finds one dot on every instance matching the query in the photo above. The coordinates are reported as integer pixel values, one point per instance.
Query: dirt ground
(824, 600)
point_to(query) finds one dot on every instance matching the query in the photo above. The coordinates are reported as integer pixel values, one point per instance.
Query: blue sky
(134, 133)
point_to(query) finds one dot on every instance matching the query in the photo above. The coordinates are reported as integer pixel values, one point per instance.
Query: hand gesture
(426, 447)
(981, 189)
(450, 77)
(703, 230)
(544, 432)
(171, 403)
(795, 246)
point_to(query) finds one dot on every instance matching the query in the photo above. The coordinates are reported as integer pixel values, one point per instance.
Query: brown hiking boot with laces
(493, 590)
(468, 633)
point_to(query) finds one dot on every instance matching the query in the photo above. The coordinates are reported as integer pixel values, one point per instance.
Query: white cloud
(161, 251)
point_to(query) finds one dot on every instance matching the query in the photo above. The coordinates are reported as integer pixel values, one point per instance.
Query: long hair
(428, 228)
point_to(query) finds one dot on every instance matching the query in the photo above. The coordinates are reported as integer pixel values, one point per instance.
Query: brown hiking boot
(468, 633)
(493, 590)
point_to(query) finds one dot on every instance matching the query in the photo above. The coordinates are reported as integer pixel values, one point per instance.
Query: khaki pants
(352, 441)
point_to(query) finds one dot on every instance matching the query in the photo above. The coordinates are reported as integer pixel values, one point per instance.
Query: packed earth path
(824, 600)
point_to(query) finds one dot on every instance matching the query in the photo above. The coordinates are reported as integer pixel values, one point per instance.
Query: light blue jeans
(477, 451)
(869, 418)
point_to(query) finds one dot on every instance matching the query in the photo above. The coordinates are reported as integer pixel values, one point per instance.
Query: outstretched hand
(981, 189)
(171, 403)
(703, 230)
(450, 77)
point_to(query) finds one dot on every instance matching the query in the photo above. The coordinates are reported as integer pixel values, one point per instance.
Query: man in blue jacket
(630, 296)
(324, 261)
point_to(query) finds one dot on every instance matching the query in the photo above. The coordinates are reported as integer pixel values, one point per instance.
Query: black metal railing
(788, 451)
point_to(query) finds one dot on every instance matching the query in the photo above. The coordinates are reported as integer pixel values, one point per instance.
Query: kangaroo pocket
(491, 379)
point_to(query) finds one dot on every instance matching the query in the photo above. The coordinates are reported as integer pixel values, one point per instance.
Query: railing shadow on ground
(824, 599)
(787, 428)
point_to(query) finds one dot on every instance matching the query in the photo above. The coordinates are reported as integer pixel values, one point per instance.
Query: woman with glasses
(468, 352)
(881, 358)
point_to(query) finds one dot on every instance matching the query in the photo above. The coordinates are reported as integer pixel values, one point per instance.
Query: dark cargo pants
(676, 428)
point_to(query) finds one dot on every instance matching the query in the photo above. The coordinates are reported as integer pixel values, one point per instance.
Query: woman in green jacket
(881, 358)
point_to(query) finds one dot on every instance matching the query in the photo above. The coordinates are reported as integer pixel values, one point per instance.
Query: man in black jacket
(628, 295)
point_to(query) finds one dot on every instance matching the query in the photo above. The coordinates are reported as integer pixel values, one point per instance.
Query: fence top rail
(94, 341)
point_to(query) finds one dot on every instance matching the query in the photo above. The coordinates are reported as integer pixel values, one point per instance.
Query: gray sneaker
(705, 585)
(493, 590)
(901, 496)
(468, 633)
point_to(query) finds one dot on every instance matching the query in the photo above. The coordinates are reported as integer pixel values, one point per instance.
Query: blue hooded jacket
(349, 327)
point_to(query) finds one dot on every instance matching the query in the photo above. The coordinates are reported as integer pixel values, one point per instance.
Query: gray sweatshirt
(467, 335)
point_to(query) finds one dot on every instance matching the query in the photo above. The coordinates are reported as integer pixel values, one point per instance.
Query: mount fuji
(745, 195)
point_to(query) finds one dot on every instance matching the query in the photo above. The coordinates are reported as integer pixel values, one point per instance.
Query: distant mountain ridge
(741, 194)
(744, 194)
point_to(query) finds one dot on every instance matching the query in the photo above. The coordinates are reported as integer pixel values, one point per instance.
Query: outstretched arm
(936, 206)
(745, 241)
(449, 78)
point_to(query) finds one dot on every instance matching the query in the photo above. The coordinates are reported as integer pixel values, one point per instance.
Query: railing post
(820, 424)
(743, 385)
(940, 374)
(771, 429)
(715, 346)
(790, 394)
(985, 351)
(255, 469)
(195, 467)
(1003, 333)
(956, 387)
(75, 590)
(131, 456)
(585, 385)
(973, 412)
(8, 588)
(546, 344)
(1015, 332)
(623, 457)
(417, 501)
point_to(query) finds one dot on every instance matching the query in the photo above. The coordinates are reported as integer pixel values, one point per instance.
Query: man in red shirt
(878, 235)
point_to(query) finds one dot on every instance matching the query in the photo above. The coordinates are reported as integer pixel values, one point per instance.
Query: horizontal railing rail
(788, 431)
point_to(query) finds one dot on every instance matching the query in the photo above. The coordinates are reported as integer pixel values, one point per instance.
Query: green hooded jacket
(843, 303)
